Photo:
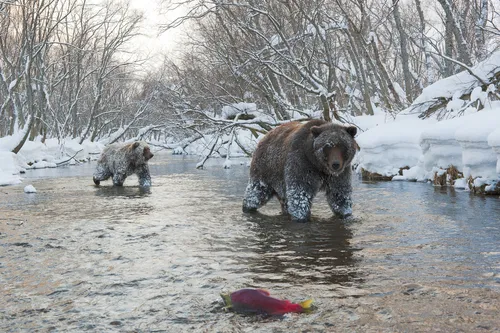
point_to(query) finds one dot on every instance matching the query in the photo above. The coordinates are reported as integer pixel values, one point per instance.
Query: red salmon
(258, 300)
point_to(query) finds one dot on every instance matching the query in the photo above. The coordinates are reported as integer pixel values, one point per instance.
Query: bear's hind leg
(298, 203)
(284, 209)
(257, 194)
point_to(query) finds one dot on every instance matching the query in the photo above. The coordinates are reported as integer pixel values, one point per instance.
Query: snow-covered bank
(10, 168)
(478, 156)
(471, 144)
(494, 142)
(460, 136)
(387, 148)
(38, 155)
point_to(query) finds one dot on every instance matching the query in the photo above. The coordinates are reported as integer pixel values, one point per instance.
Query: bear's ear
(136, 144)
(352, 130)
(316, 130)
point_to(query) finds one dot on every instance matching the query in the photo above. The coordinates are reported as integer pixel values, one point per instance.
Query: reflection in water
(76, 257)
(122, 191)
(318, 251)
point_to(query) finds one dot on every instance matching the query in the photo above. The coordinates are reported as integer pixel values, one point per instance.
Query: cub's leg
(118, 179)
(102, 173)
(257, 194)
(144, 175)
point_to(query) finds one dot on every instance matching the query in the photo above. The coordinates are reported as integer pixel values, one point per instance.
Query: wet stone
(22, 244)
(50, 246)
(484, 327)
(58, 292)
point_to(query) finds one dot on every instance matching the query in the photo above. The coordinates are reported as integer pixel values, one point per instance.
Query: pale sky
(152, 44)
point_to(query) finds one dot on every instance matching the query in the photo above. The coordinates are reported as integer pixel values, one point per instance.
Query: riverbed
(79, 258)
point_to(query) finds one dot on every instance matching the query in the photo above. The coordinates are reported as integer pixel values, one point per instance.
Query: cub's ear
(316, 130)
(136, 144)
(352, 130)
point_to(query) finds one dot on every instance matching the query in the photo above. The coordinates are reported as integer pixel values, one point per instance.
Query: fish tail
(227, 300)
(306, 304)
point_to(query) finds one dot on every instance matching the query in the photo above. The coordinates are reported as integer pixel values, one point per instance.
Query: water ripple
(76, 257)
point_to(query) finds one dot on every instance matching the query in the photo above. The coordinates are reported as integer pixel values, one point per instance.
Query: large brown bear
(122, 160)
(294, 161)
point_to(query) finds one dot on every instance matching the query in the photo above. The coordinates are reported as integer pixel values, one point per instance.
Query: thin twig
(66, 161)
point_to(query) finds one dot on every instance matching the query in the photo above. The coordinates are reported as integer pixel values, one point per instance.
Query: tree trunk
(279, 110)
(481, 20)
(95, 107)
(326, 108)
(451, 19)
(358, 65)
(424, 45)
(386, 80)
(26, 130)
(448, 47)
(405, 59)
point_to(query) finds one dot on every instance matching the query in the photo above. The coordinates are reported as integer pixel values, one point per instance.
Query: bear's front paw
(343, 213)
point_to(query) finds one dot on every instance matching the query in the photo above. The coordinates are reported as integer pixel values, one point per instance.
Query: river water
(80, 258)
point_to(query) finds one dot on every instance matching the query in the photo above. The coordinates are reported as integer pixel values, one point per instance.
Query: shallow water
(75, 257)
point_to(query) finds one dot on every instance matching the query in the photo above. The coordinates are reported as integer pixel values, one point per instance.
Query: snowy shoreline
(38, 155)
(457, 144)
(427, 150)
(463, 152)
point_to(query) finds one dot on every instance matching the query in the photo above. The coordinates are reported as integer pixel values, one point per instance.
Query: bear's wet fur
(122, 160)
(296, 160)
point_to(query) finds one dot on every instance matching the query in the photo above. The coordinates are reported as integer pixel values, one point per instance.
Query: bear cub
(296, 160)
(122, 160)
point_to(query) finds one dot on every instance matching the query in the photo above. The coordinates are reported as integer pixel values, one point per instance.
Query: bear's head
(146, 152)
(334, 147)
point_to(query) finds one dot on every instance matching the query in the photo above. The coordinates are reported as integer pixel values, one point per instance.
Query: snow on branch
(437, 96)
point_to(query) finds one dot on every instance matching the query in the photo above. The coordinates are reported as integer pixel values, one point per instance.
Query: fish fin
(227, 300)
(306, 304)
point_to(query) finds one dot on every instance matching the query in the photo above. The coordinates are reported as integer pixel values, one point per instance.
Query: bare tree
(65, 71)
(28, 28)
(117, 26)
(405, 59)
(453, 25)
(480, 25)
(424, 43)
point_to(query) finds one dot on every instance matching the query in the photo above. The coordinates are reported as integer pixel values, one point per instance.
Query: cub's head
(334, 147)
(142, 149)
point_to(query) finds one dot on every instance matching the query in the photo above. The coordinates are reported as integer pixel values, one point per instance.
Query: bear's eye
(326, 151)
